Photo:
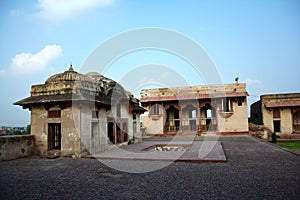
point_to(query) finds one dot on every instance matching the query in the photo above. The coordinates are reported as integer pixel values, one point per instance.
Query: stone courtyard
(254, 170)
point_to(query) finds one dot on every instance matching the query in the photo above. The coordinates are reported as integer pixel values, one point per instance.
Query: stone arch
(208, 120)
(172, 119)
(189, 118)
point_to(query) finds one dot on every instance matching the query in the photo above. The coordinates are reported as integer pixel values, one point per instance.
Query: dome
(69, 75)
(72, 81)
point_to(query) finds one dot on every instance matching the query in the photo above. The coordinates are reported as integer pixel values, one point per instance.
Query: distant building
(220, 109)
(278, 112)
(6, 130)
(78, 114)
(19, 129)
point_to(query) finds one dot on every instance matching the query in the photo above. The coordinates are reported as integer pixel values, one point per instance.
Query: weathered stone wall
(154, 124)
(256, 112)
(85, 129)
(267, 116)
(39, 128)
(137, 127)
(17, 146)
(70, 135)
(103, 138)
(238, 121)
(286, 120)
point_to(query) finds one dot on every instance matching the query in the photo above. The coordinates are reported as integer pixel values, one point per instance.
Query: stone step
(52, 154)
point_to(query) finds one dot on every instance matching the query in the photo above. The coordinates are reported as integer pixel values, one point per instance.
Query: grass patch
(290, 145)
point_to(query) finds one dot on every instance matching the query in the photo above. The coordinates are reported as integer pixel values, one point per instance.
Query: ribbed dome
(69, 75)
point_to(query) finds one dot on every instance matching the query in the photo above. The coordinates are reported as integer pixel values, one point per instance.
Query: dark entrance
(110, 130)
(119, 140)
(173, 120)
(276, 124)
(297, 122)
(124, 130)
(54, 136)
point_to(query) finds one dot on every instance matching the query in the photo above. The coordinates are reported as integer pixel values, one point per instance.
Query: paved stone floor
(197, 149)
(254, 170)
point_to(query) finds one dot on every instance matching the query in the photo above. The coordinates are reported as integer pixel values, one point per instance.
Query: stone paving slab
(195, 151)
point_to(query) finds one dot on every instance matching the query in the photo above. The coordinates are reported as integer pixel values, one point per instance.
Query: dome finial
(71, 68)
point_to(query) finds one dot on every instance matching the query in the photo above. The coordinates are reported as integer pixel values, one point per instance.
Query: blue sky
(258, 41)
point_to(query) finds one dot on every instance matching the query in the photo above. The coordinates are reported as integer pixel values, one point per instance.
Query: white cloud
(250, 81)
(58, 10)
(27, 63)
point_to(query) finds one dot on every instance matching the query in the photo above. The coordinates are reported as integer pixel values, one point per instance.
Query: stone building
(278, 112)
(220, 109)
(77, 114)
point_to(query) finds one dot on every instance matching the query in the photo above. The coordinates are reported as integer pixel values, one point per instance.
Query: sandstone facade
(218, 109)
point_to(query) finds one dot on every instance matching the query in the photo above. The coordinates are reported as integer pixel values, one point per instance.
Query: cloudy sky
(257, 41)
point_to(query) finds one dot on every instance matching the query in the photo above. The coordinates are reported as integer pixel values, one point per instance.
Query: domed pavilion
(74, 114)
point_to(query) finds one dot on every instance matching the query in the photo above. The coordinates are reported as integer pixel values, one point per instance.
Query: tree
(28, 130)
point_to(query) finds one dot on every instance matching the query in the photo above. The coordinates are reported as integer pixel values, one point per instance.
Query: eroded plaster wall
(39, 128)
(70, 135)
(237, 122)
(267, 116)
(85, 129)
(286, 120)
(154, 124)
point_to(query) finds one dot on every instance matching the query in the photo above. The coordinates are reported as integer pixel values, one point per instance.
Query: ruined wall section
(16, 146)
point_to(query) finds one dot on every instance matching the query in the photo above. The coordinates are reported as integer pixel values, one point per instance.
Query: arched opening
(173, 119)
(208, 118)
(189, 118)
(208, 113)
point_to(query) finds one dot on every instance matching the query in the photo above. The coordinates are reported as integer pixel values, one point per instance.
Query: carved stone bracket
(225, 114)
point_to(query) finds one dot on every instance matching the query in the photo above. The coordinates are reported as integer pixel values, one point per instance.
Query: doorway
(297, 122)
(208, 118)
(110, 132)
(54, 136)
(173, 119)
(276, 124)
